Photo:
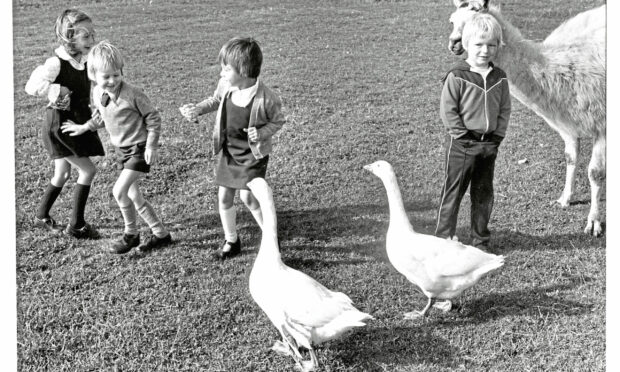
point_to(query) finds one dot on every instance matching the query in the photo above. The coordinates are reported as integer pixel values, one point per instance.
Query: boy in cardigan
(475, 108)
(134, 126)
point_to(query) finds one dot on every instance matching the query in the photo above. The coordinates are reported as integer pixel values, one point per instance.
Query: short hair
(244, 55)
(482, 24)
(102, 56)
(65, 28)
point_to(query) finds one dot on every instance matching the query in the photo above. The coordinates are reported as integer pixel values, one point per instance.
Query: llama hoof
(594, 228)
(281, 348)
(563, 202)
(444, 306)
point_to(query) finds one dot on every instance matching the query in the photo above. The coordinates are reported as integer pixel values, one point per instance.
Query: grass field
(360, 81)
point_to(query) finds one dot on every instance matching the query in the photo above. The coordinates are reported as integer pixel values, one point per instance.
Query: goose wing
(437, 257)
(310, 303)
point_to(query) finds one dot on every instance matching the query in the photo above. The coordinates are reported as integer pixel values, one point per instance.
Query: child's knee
(119, 192)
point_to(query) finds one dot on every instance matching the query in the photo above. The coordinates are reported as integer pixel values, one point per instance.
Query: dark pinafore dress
(60, 145)
(236, 164)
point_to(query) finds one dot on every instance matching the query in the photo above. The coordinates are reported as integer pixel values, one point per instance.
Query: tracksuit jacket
(471, 103)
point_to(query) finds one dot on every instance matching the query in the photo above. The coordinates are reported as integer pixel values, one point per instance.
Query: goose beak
(367, 167)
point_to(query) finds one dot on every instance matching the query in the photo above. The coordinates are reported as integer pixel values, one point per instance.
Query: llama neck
(521, 59)
(398, 215)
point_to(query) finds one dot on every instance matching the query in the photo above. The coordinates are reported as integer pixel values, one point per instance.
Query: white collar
(242, 97)
(61, 52)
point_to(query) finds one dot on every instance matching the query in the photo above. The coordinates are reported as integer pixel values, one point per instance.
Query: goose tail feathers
(493, 264)
(346, 321)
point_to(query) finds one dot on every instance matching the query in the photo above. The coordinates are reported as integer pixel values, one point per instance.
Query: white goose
(305, 312)
(441, 268)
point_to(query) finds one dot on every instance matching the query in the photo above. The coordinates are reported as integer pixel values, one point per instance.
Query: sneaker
(84, 232)
(229, 250)
(153, 242)
(125, 244)
(48, 223)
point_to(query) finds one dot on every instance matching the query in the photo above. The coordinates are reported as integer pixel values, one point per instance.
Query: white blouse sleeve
(41, 80)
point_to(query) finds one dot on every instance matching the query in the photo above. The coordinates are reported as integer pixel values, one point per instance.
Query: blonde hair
(244, 55)
(65, 29)
(482, 24)
(102, 56)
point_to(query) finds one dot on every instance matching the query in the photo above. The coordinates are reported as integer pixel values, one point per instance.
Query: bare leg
(596, 175)
(250, 201)
(86, 169)
(62, 172)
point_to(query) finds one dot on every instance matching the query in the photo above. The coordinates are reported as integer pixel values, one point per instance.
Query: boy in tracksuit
(475, 109)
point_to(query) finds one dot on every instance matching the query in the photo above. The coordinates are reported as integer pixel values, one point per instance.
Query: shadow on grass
(373, 349)
(532, 302)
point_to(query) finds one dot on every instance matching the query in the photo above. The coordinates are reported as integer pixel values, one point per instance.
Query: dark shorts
(132, 157)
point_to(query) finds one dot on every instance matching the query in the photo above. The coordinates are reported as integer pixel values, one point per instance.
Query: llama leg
(596, 174)
(571, 153)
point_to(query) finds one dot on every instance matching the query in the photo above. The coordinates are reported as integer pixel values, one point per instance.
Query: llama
(561, 79)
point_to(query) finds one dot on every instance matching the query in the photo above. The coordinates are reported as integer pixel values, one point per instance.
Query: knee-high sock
(147, 213)
(129, 217)
(47, 201)
(229, 223)
(258, 216)
(80, 197)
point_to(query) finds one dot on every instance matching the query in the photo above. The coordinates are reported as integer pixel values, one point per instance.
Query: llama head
(464, 11)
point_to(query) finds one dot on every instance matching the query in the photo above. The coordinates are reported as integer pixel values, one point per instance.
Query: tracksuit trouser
(468, 163)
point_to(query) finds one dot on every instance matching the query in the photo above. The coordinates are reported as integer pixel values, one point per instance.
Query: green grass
(360, 81)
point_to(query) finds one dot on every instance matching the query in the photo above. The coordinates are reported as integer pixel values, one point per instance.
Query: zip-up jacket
(471, 103)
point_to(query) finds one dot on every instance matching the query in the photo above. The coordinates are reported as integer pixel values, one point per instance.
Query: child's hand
(189, 112)
(63, 102)
(252, 134)
(73, 129)
(150, 155)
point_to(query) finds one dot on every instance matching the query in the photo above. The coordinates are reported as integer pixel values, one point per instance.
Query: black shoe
(125, 244)
(84, 232)
(153, 242)
(48, 223)
(229, 250)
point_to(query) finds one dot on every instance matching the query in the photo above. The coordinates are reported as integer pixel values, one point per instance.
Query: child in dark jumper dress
(248, 115)
(63, 80)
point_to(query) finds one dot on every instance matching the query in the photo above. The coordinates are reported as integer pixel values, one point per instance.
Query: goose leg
(282, 348)
(420, 314)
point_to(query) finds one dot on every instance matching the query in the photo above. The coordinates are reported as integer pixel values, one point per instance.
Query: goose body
(305, 312)
(441, 268)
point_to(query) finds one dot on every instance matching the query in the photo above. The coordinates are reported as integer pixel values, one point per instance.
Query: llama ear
(459, 3)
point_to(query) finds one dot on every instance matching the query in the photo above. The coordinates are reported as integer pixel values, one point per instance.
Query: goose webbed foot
(414, 315)
(282, 348)
(305, 365)
(444, 306)
(420, 314)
